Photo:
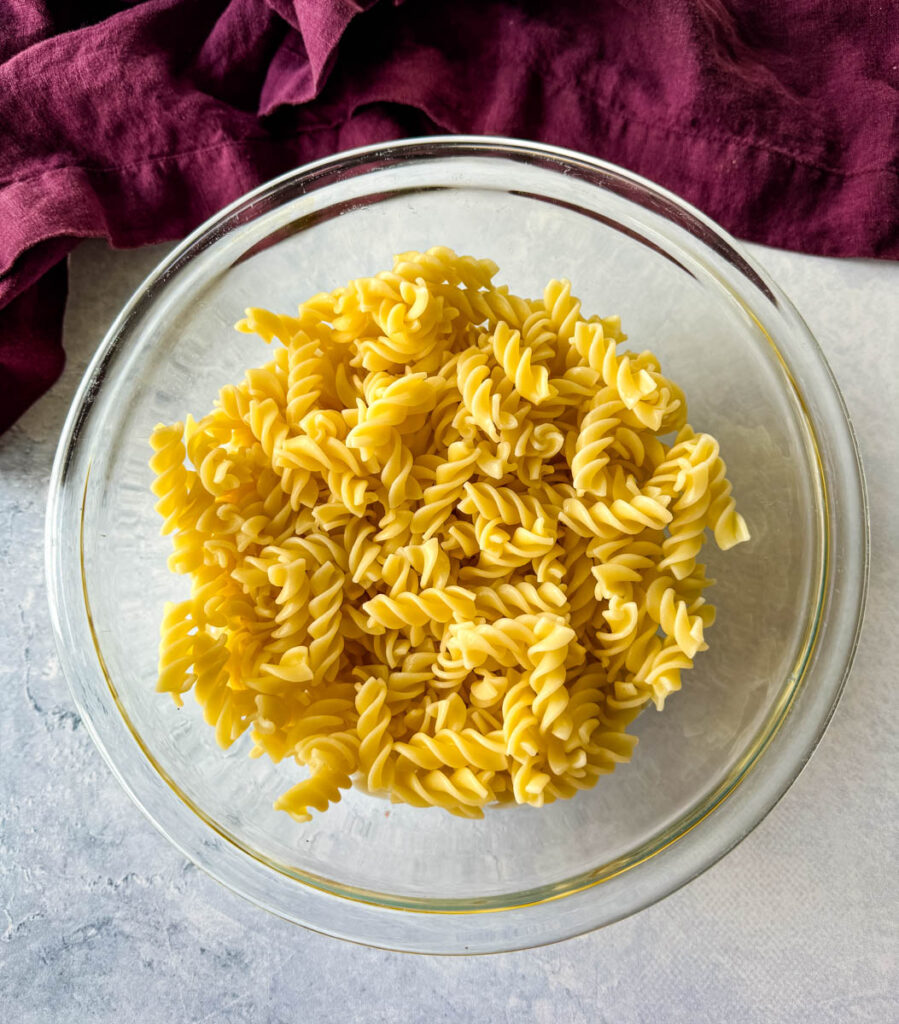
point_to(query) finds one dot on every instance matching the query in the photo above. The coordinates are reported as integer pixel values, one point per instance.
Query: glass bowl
(790, 602)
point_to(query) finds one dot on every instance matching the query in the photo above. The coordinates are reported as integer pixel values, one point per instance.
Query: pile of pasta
(439, 544)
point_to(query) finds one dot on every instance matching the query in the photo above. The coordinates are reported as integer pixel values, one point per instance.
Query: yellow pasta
(443, 545)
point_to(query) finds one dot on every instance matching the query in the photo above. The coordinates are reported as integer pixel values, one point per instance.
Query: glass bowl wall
(726, 747)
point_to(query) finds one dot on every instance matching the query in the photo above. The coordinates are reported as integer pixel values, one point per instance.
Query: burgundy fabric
(135, 122)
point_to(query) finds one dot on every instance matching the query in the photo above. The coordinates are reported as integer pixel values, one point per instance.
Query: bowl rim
(67, 634)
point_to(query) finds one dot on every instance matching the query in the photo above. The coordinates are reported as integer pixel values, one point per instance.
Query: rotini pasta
(444, 544)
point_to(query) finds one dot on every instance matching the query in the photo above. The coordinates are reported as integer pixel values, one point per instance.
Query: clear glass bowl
(790, 602)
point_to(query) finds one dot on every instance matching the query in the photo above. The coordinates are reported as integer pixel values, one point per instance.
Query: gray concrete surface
(102, 920)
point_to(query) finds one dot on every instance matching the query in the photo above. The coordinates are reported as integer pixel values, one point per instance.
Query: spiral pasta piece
(176, 650)
(562, 308)
(548, 656)
(505, 505)
(476, 388)
(434, 604)
(319, 791)
(594, 438)
(171, 482)
(439, 499)
(324, 628)
(531, 382)
(468, 748)
(674, 617)
(462, 791)
(728, 526)
(608, 519)
(508, 600)
(375, 742)
(392, 406)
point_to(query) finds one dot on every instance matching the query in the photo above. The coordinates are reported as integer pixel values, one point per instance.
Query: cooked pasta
(444, 544)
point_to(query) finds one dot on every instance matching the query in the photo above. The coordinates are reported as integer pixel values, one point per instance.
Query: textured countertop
(102, 920)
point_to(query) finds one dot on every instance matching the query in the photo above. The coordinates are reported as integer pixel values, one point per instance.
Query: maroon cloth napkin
(135, 122)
